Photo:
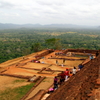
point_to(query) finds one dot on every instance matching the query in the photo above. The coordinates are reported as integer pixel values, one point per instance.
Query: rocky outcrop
(81, 85)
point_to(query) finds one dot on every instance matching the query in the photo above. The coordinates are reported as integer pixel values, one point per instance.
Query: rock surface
(82, 85)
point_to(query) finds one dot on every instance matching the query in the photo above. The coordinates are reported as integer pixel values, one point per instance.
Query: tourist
(62, 77)
(51, 90)
(64, 61)
(66, 74)
(55, 83)
(42, 62)
(56, 62)
(74, 71)
(62, 65)
(70, 74)
(91, 57)
(80, 66)
(97, 53)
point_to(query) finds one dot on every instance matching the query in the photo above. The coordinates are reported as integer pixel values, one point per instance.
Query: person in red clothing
(66, 74)
(62, 77)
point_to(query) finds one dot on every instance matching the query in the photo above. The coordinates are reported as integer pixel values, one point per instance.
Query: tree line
(19, 42)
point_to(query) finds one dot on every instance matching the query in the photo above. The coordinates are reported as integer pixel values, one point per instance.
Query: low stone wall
(81, 51)
(17, 76)
(27, 94)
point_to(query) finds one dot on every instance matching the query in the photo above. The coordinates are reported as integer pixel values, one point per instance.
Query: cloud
(10, 14)
(5, 4)
(50, 11)
(50, 2)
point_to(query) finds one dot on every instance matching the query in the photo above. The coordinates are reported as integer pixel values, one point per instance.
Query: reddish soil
(81, 86)
(24, 66)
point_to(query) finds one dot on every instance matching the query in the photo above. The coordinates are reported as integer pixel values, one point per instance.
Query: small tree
(26, 51)
(36, 47)
(54, 43)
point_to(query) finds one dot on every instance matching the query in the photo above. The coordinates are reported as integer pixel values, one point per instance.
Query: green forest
(19, 42)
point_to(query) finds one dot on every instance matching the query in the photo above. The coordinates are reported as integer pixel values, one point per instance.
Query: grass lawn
(16, 93)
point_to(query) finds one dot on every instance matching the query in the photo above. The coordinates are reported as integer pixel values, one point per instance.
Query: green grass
(16, 93)
(81, 56)
(18, 81)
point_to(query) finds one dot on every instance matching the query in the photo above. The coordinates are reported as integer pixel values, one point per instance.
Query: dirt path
(45, 84)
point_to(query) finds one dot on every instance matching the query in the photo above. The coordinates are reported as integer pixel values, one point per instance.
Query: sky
(78, 12)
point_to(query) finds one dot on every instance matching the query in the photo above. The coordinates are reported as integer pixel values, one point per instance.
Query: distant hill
(14, 26)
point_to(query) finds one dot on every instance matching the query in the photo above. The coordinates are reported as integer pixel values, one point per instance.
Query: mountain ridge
(14, 26)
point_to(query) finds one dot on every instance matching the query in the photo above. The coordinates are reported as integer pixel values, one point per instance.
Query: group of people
(62, 77)
(92, 57)
(65, 75)
(35, 61)
(62, 63)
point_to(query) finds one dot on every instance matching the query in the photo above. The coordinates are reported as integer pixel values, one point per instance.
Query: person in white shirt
(74, 71)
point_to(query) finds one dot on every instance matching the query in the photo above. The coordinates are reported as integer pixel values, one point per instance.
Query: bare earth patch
(25, 67)
(11, 82)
